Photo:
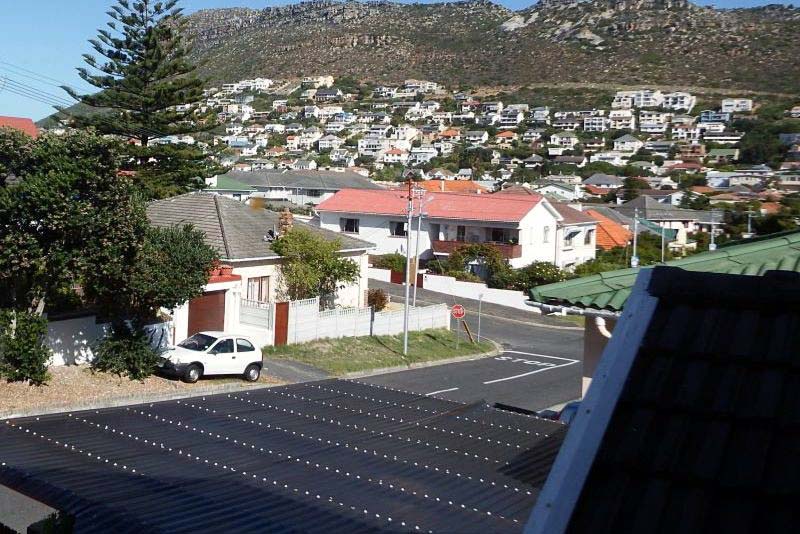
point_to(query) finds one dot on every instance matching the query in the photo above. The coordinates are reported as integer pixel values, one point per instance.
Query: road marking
(530, 373)
(440, 391)
(539, 355)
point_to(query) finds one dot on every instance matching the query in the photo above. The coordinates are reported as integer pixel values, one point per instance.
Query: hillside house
(522, 228)
(238, 232)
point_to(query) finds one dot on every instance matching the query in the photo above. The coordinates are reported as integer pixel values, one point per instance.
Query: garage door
(207, 312)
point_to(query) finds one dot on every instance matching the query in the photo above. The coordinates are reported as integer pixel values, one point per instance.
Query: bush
(377, 299)
(126, 352)
(23, 354)
(394, 262)
(536, 274)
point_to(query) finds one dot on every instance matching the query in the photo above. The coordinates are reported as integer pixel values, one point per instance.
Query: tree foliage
(312, 266)
(171, 268)
(23, 355)
(143, 76)
(69, 220)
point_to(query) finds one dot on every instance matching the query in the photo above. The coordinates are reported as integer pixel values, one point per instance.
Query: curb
(420, 365)
(129, 400)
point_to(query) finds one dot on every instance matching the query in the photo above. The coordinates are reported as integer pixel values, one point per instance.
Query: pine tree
(145, 82)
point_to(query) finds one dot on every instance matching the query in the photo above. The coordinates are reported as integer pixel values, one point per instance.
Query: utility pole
(663, 231)
(713, 245)
(635, 257)
(410, 211)
(416, 251)
(480, 302)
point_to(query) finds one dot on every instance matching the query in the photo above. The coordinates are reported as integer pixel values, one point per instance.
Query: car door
(246, 354)
(220, 358)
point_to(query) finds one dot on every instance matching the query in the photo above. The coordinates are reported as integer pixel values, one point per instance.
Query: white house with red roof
(523, 228)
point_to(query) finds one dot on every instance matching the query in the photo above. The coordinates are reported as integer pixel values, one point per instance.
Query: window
(461, 233)
(242, 345)
(223, 347)
(398, 229)
(587, 240)
(569, 237)
(349, 226)
(258, 288)
(199, 342)
(314, 193)
(500, 235)
(546, 234)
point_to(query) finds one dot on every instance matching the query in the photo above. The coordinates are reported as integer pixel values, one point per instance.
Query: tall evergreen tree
(145, 80)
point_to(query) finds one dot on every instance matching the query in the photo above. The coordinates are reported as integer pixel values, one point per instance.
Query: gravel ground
(73, 386)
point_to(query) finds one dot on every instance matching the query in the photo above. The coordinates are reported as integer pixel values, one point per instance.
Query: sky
(48, 37)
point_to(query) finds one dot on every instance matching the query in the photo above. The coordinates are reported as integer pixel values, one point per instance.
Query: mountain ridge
(478, 42)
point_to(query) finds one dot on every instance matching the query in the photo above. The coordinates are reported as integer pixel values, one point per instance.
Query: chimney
(285, 221)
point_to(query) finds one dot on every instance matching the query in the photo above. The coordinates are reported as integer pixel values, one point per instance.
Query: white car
(212, 353)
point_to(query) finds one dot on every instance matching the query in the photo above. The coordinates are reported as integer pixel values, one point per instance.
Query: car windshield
(197, 342)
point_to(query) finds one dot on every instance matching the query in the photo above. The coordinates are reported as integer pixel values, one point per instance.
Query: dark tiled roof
(311, 179)
(706, 432)
(234, 229)
(610, 290)
(327, 457)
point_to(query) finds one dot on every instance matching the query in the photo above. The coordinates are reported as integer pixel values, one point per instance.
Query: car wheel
(192, 373)
(252, 373)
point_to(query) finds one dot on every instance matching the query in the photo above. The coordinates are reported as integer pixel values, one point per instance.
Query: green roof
(226, 183)
(610, 290)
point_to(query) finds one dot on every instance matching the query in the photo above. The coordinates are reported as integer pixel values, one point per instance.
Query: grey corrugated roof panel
(390, 453)
(303, 179)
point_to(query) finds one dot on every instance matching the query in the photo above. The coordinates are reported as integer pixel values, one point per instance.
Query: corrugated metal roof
(610, 290)
(330, 456)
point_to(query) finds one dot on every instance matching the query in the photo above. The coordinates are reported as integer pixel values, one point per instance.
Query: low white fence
(384, 275)
(473, 290)
(307, 322)
(467, 290)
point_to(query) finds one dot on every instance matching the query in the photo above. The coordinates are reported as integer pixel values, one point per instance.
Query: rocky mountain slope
(478, 42)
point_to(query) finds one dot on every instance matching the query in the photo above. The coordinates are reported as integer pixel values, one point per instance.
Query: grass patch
(346, 355)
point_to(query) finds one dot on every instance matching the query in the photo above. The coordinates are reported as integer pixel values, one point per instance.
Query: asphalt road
(540, 366)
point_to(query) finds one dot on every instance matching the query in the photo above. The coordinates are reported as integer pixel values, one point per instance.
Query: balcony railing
(507, 250)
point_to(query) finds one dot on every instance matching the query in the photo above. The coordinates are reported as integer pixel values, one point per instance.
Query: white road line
(531, 372)
(539, 355)
(440, 391)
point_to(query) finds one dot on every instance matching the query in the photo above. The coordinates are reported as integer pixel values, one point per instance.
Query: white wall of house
(582, 247)
(536, 243)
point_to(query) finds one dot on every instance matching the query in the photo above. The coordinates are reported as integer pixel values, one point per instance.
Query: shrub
(536, 274)
(23, 354)
(377, 299)
(394, 262)
(126, 352)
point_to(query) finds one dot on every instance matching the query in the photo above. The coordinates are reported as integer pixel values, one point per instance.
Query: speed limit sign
(458, 311)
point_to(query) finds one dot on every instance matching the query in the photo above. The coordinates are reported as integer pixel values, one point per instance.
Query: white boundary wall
(307, 322)
(70, 340)
(467, 290)
(383, 275)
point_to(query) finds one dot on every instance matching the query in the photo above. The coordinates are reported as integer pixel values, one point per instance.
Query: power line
(38, 95)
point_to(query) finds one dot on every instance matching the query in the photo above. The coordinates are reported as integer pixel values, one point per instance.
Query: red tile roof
(610, 234)
(594, 190)
(439, 205)
(20, 123)
(452, 186)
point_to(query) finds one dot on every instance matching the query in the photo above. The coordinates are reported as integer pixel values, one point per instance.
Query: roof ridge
(222, 226)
